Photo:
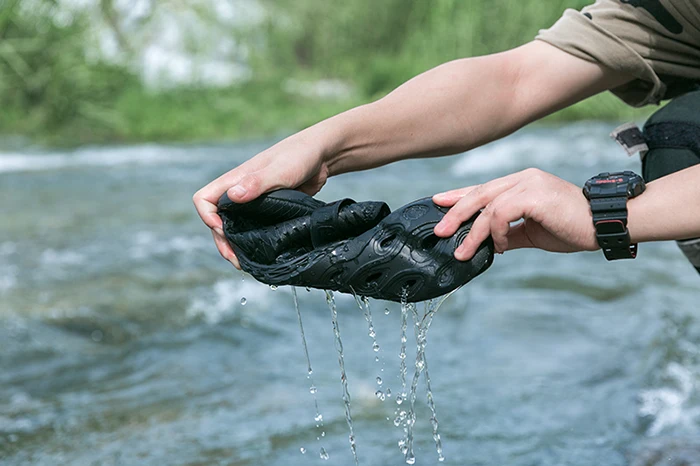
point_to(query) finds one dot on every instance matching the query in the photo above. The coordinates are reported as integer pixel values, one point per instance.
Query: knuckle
(480, 193)
(536, 175)
(253, 181)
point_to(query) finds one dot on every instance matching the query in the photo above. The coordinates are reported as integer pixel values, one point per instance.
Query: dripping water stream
(364, 305)
(421, 326)
(309, 374)
(330, 299)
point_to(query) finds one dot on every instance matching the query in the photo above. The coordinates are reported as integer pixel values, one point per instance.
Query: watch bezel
(608, 194)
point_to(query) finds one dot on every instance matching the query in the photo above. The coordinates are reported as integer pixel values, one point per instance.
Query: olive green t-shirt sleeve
(659, 46)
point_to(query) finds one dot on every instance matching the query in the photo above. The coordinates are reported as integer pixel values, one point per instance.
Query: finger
(225, 249)
(207, 212)
(254, 184)
(494, 220)
(450, 198)
(469, 204)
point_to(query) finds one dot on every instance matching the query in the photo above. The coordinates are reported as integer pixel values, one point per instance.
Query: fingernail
(219, 231)
(239, 191)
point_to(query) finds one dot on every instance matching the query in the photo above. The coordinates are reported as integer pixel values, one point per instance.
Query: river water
(124, 338)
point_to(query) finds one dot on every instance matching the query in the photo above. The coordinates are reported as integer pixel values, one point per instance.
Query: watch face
(623, 184)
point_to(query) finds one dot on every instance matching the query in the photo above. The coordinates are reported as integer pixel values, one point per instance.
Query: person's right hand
(296, 162)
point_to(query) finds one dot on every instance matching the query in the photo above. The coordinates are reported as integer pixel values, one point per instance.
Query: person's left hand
(556, 214)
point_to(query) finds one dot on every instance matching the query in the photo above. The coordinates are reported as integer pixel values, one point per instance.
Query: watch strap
(610, 222)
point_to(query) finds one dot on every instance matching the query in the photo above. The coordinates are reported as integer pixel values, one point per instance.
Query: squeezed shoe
(289, 238)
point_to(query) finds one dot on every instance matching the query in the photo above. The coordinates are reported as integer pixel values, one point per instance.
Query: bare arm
(452, 108)
(668, 209)
(461, 105)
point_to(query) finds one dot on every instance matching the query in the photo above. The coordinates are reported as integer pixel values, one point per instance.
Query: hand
(295, 162)
(556, 214)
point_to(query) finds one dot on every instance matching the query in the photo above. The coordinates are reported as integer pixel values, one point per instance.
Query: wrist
(608, 195)
(347, 137)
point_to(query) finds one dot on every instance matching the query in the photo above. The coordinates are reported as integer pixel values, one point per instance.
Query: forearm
(443, 111)
(669, 209)
(459, 105)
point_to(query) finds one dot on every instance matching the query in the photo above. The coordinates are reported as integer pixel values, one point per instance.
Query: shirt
(655, 41)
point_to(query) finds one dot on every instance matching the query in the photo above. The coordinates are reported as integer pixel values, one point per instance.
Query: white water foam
(672, 406)
(224, 299)
(586, 142)
(60, 258)
(146, 154)
(147, 244)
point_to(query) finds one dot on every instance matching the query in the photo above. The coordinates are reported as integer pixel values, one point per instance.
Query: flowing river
(126, 340)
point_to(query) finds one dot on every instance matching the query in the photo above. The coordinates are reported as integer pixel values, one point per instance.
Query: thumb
(248, 188)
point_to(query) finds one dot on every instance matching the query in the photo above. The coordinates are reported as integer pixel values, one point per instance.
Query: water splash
(309, 371)
(330, 299)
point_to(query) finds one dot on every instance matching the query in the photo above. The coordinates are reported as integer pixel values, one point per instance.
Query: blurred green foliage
(53, 87)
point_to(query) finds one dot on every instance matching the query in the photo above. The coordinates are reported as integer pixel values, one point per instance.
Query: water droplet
(313, 389)
(375, 347)
(97, 336)
(319, 417)
(379, 394)
(388, 392)
(404, 449)
(311, 371)
(399, 399)
(403, 339)
(308, 290)
(410, 459)
(376, 359)
(324, 454)
(273, 287)
(386, 311)
(397, 421)
(323, 434)
(302, 450)
(441, 458)
(402, 442)
(379, 380)
(243, 301)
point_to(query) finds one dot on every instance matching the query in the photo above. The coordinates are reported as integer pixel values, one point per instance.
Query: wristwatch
(608, 194)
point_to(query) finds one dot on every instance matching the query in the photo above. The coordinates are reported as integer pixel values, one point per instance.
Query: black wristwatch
(608, 194)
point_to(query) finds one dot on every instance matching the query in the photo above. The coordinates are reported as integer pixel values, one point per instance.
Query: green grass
(52, 92)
